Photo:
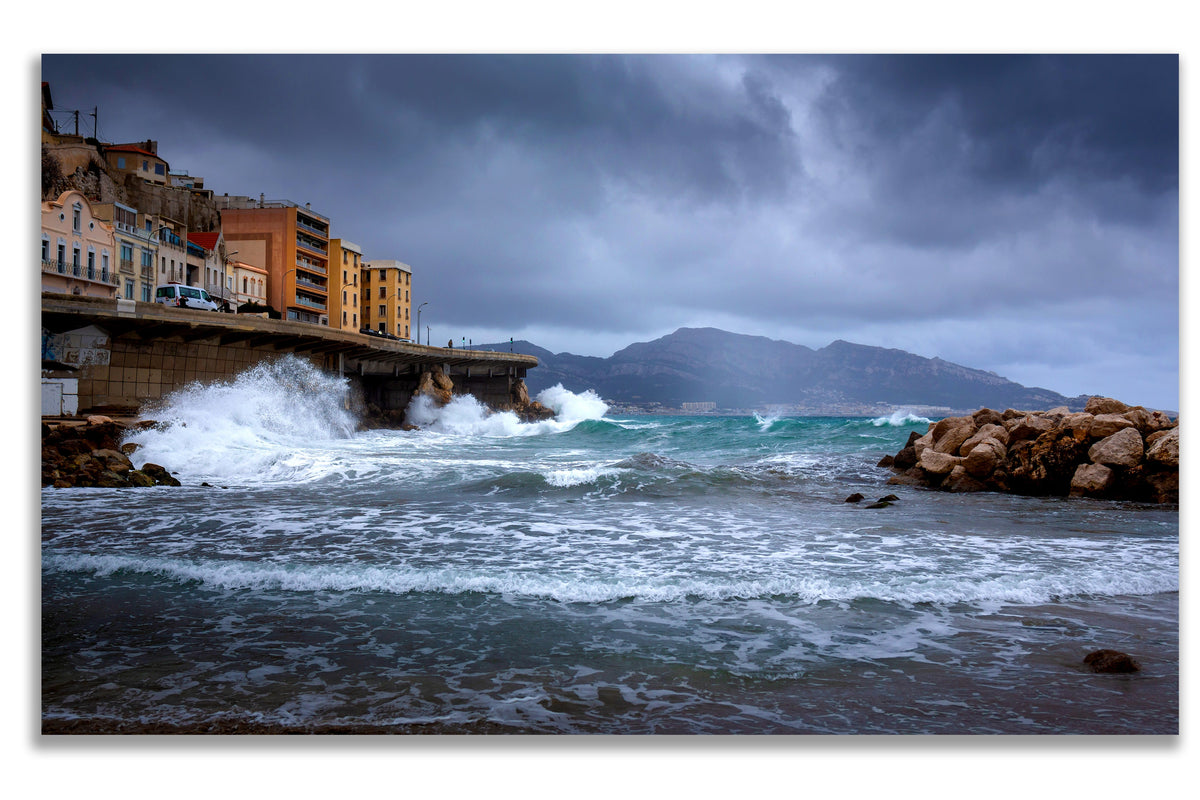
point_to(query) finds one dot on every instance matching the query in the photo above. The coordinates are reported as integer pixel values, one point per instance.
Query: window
(75, 257)
(104, 265)
(343, 298)
(382, 292)
(128, 289)
(147, 258)
(356, 298)
(383, 327)
(355, 320)
(343, 317)
(120, 162)
(383, 311)
(382, 275)
(45, 248)
(76, 217)
(145, 293)
(158, 169)
(145, 166)
(244, 289)
(62, 255)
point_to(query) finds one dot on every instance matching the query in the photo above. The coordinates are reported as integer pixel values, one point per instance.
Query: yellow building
(385, 299)
(292, 243)
(137, 249)
(140, 159)
(77, 248)
(345, 259)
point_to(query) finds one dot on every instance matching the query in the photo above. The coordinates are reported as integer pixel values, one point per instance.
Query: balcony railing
(303, 281)
(311, 266)
(311, 244)
(126, 265)
(300, 223)
(303, 300)
(73, 270)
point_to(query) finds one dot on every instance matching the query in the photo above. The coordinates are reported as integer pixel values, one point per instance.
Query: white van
(193, 296)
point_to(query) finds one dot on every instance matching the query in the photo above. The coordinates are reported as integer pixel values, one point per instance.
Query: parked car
(177, 294)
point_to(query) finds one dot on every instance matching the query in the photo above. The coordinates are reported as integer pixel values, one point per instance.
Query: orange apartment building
(289, 241)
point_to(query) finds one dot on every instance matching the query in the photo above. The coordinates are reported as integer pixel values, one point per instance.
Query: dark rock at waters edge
(1111, 661)
(1109, 450)
(440, 389)
(89, 453)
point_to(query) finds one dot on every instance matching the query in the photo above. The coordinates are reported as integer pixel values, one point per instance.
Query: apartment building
(291, 242)
(137, 250)
(77, 248)
(345, 260)
(386, 301)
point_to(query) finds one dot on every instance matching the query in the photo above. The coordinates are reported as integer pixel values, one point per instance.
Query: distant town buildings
(118, 221)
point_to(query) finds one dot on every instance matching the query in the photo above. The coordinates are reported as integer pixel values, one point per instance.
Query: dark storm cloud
(962, 206)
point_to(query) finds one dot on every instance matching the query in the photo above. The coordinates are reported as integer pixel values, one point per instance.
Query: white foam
(582, 584)
(576, 476)
(255, 425)
(900, 418)
(464, 415)
(571, 407)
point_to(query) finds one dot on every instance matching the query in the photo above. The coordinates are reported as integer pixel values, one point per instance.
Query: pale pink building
(78, 249)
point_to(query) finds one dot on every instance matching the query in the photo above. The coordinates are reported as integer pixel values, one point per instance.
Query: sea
(596, 573)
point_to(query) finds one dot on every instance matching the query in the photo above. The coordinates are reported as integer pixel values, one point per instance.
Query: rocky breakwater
(90, 453)
(1109, 450)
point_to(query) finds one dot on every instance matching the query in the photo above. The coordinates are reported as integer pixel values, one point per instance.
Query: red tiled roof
(207, 240)
(128, 148)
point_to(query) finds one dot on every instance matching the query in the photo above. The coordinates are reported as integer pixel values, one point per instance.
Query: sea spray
(900, 418)
(464, 415)
(241, 426)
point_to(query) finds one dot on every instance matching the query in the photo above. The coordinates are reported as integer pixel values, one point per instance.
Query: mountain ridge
(739, 371)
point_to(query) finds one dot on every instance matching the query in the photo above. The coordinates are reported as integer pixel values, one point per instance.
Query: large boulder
(952, 432)
(989, 431)
(1123, 449)
(1092, 480)
(1164, 452)
(1030, 426)
(984, 458)
(938, 463)
(1105, 405)
(1107, 424)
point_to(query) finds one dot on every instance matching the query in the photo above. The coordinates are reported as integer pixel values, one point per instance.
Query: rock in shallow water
(1111, 661)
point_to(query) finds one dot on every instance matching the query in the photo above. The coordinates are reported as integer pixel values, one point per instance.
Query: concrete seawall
(104, 355)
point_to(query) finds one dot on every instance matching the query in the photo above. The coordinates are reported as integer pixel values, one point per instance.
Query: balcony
(126, 265)
(72, 270)
(311, 266)
(304, 280)
(302, 223)
(312, 244)
(310, 302)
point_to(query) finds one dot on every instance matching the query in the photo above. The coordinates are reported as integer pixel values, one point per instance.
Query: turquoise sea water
(592, 574)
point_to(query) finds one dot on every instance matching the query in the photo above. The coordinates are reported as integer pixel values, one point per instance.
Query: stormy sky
(1018, 214)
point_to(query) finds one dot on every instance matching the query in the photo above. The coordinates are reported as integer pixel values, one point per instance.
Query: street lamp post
(419, 320)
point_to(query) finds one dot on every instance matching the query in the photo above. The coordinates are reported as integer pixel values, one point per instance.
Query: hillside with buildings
(118, 220)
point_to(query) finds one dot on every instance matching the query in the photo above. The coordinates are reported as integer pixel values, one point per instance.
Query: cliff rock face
(1109, 450)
